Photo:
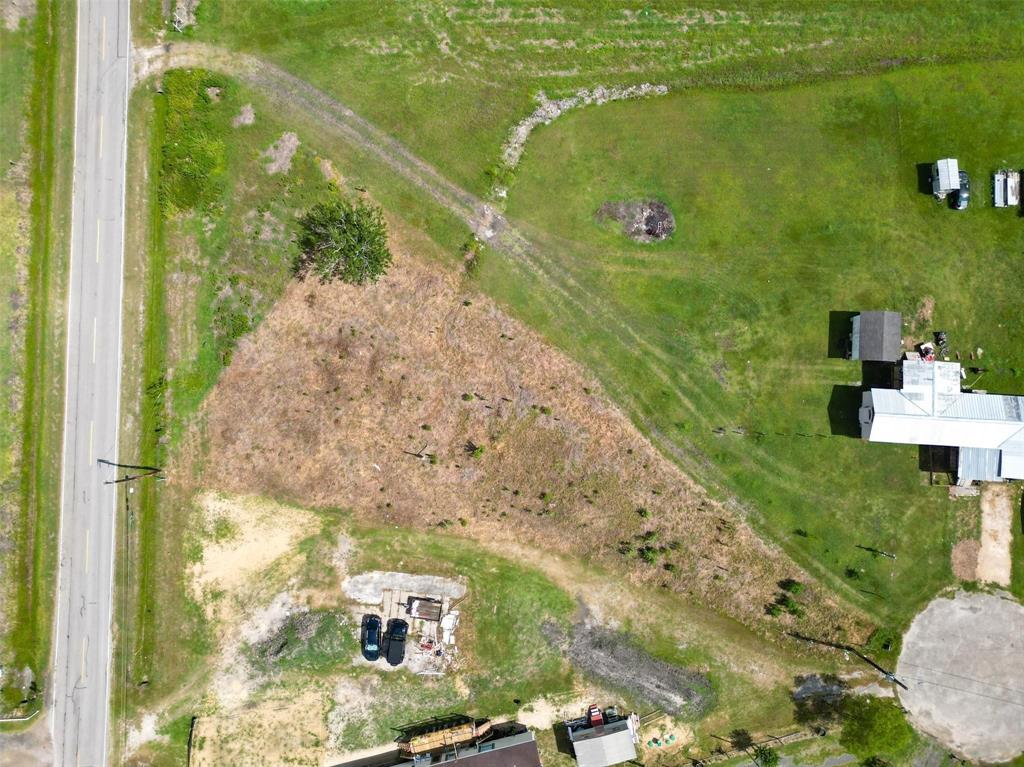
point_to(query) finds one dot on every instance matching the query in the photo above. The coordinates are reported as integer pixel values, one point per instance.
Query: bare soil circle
(642, 220)
(963, 664)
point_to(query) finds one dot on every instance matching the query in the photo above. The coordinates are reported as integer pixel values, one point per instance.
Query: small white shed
(945, 177)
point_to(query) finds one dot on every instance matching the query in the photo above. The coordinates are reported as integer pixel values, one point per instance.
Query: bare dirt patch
(185, 13)
(643, 221)
(32, 747)
(287, 727)
(415, 403)
(142, 732)
(615, 661)
(994, 561)
(258, 532)
(965, 560)
(249, 582)
(14, 11)
(247, 116)
(922, 319)
(963, 664)
(281, 152)
(331, 173)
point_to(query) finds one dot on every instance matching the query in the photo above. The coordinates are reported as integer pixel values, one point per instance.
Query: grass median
(35, 493)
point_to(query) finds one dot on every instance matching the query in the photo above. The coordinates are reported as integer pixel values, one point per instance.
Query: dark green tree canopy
(765, 756)
(872, 726)
(341, 241)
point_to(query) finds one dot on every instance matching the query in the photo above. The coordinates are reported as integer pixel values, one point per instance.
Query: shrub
(472, 252)
(341, 241)
(647, 554)
(765, 756)
(792, 586)
(194, 154)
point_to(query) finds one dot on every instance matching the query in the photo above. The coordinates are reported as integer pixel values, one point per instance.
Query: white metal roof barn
(930, 409)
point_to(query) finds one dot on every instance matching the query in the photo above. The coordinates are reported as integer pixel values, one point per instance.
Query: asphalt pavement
(81, 671)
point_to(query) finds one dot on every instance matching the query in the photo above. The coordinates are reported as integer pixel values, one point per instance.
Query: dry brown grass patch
(372, 398)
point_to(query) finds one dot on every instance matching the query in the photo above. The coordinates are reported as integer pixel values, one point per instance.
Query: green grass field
(450, 83)
(789, 205)
(36, 122)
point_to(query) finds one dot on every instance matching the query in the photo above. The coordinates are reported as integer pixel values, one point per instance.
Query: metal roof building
(930, 409)
(876, 336)
(605, 744)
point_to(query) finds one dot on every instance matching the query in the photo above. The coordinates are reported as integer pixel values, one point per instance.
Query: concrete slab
(963, 662)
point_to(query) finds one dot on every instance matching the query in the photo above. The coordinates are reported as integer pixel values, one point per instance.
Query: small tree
(341, 241)
(765, 757)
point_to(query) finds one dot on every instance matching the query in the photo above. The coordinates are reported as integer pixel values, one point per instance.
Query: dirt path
(996, 521)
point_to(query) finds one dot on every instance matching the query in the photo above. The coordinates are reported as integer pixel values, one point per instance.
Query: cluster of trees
(872, 728)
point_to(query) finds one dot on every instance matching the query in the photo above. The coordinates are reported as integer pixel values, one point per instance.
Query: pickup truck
(394, 641)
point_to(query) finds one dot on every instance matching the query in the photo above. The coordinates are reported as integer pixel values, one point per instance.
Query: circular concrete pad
(963, 660)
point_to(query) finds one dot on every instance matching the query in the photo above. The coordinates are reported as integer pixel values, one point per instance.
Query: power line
(966, 692)
(965, 678)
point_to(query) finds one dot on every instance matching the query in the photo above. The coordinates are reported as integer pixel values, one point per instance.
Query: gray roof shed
(877, 337)
(604, 745)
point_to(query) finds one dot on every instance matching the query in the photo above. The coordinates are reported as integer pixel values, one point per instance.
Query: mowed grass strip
(450, 80)
(789, 205)
(50, 122)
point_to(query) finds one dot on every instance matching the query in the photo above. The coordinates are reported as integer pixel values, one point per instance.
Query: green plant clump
(341, 241)
(194, 154)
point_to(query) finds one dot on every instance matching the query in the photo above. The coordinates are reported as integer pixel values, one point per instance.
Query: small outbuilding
(603, 738)
(945, 177)
(424, 608)
(876, 336)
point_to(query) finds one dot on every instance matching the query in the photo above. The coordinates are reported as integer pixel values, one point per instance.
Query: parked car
(963, 195)
(394, 641)
(370, 640)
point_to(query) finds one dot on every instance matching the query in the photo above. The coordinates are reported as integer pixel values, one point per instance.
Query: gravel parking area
(963, 662)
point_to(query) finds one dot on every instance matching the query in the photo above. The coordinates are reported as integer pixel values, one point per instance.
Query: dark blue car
(395, 639)
(370, 639)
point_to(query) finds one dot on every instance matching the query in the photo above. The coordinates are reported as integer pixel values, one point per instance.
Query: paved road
(79, 715)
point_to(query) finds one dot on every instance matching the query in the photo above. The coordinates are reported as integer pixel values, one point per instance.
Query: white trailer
(1006, 188)
(945, 177)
